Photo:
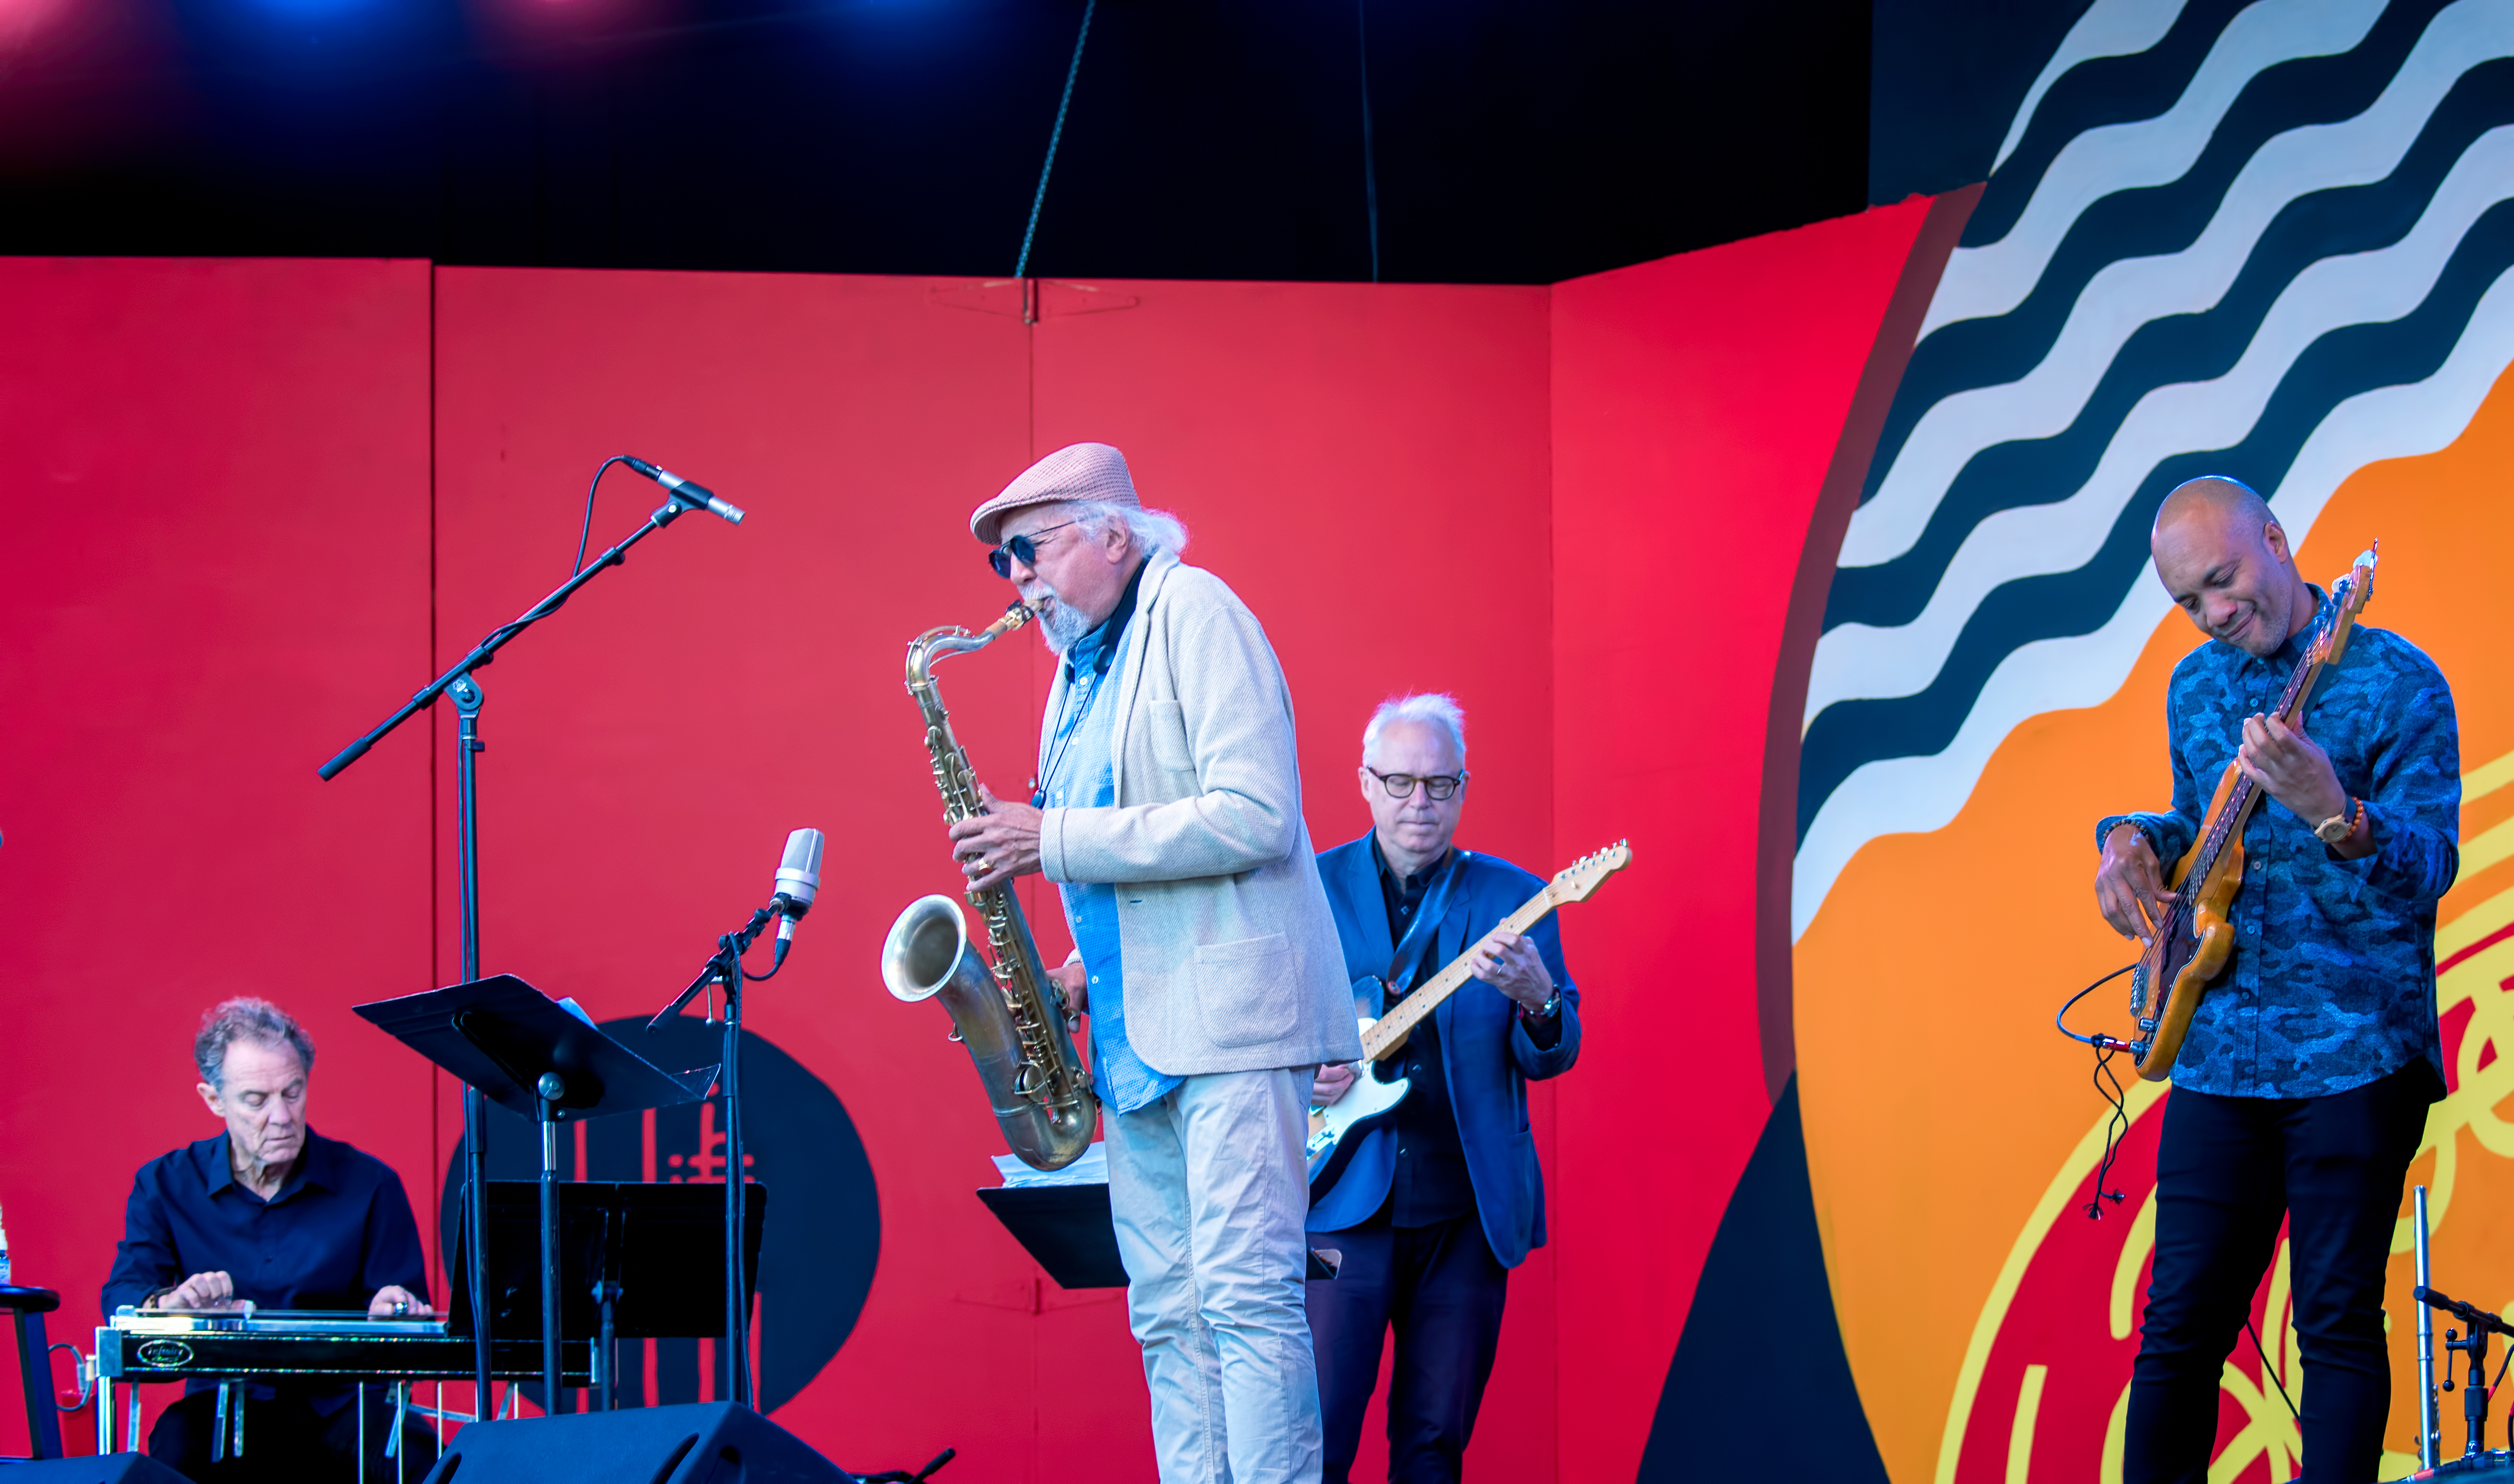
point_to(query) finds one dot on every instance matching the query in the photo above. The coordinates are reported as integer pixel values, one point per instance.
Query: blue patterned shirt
(1083, 774)
(2332, 983)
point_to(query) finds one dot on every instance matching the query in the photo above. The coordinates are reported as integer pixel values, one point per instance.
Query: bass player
(2301, 1089)
(1442, 1198)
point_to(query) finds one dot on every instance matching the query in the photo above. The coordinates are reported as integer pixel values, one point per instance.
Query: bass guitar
(2189, 945)
(1369, 1100)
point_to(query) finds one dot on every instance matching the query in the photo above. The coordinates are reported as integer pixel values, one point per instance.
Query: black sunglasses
(1438, 785)
(1020, 549)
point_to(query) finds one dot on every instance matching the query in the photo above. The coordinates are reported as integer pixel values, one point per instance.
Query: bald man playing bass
(2301, 1089)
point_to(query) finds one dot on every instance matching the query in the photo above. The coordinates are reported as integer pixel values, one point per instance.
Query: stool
(29, 1305)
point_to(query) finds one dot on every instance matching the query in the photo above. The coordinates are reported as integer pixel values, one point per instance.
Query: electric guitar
(1369, 1100)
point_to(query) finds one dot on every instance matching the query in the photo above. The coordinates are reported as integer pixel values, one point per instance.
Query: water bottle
(4, 1253)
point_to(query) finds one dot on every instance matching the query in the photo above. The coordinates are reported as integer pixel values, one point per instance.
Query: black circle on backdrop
(823, 1230)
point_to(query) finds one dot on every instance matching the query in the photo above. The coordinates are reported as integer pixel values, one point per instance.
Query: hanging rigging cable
(1073, 68)
(1369, 158)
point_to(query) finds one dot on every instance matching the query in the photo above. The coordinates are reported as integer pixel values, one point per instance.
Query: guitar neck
(1407, 1013)
(2246, 796)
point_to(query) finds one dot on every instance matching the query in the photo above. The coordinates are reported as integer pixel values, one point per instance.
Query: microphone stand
(2474, 1349)
(459, 683)
(725, 968)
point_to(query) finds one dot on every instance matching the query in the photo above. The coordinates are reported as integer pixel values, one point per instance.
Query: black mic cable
(695, 496)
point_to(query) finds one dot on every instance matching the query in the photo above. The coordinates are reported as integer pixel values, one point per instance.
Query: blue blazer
(1485, 1047)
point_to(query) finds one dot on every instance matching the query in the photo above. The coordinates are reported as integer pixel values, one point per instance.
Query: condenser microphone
(692, 494)
(798, 881)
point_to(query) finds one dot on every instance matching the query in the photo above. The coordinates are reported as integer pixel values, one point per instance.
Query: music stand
(1070, 1230)
(635, 1261)
(1066, 1230)
(460, 683)
(524, 1052)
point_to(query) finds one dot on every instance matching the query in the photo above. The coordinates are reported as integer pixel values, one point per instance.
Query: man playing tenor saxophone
(1168, 813)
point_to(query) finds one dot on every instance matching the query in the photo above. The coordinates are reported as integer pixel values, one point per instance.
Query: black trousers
(1441, 1289)
(2227, 1170)
(285, 1439)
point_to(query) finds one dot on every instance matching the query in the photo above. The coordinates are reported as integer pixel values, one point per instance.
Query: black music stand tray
(1068, 1229)
(527, 1054)
(635, 1261)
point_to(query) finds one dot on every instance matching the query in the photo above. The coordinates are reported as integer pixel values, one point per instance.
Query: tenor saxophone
(1009, 1014)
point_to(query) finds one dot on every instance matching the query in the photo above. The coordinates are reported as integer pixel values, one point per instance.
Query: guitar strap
(1425, 929)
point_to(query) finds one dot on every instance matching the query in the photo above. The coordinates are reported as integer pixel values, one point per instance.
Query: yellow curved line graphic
(2056, 1198)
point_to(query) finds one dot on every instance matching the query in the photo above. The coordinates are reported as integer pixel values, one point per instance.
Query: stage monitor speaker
(702, 1443)
(112, 1469)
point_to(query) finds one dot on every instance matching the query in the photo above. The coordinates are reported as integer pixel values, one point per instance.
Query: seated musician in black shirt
(273, 1213)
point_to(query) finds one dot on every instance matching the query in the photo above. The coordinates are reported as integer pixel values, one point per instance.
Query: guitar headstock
(2348, 597)
(1574, 882)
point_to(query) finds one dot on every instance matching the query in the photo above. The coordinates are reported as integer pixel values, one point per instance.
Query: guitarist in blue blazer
(1432, 1204)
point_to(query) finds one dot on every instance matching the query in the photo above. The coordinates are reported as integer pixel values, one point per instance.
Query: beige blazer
(1232, 963)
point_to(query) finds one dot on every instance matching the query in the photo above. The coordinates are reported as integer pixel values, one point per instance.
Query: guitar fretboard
(2227, 823)
(1407, 1013)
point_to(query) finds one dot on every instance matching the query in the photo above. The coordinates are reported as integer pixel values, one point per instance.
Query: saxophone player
(1168, 814)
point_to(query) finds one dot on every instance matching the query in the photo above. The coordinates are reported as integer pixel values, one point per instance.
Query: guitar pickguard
(1367, 1099)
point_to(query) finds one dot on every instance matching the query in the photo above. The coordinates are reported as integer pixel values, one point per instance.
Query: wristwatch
(2340, 827)
(1547, 1010)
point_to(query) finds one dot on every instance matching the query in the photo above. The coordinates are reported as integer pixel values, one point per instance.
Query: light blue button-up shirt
(1083, 775)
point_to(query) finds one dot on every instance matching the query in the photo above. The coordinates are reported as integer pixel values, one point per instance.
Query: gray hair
(1151, 530)
(245, 1019)
(1437, 709)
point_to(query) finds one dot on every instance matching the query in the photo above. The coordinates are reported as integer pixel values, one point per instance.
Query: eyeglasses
(1020, 549)
(1438, 785)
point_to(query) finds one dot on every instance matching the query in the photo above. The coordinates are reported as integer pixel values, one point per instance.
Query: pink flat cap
(1092, 471)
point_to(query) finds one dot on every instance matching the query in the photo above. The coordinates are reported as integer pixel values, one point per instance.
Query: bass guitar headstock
(1574, 882)
(2348, 598)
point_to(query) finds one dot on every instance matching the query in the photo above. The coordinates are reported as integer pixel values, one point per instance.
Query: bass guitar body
(2178, 965)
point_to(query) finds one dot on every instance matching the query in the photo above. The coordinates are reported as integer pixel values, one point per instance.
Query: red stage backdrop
(1579, 509)
(1697, 402)
(219, 569)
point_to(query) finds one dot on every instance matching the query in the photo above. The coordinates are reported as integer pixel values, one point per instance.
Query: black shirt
(336, 1231)
(1431, 1185)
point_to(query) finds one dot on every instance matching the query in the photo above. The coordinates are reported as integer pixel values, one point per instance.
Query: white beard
(1061, 626)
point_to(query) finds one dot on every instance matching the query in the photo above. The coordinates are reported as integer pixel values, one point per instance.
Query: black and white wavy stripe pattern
(2274, 242)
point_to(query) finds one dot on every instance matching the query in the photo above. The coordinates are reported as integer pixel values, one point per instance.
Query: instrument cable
(2271, 1370)
(903, 1476)
(2109, 1088)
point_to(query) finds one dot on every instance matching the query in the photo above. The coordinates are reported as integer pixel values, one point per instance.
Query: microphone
(798, 881)
(697, 495)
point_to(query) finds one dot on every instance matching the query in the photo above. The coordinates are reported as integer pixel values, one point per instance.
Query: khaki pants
(1209, 1190)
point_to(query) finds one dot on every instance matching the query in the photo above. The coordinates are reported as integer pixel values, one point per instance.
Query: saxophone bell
(928, 952)
(929, 956)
